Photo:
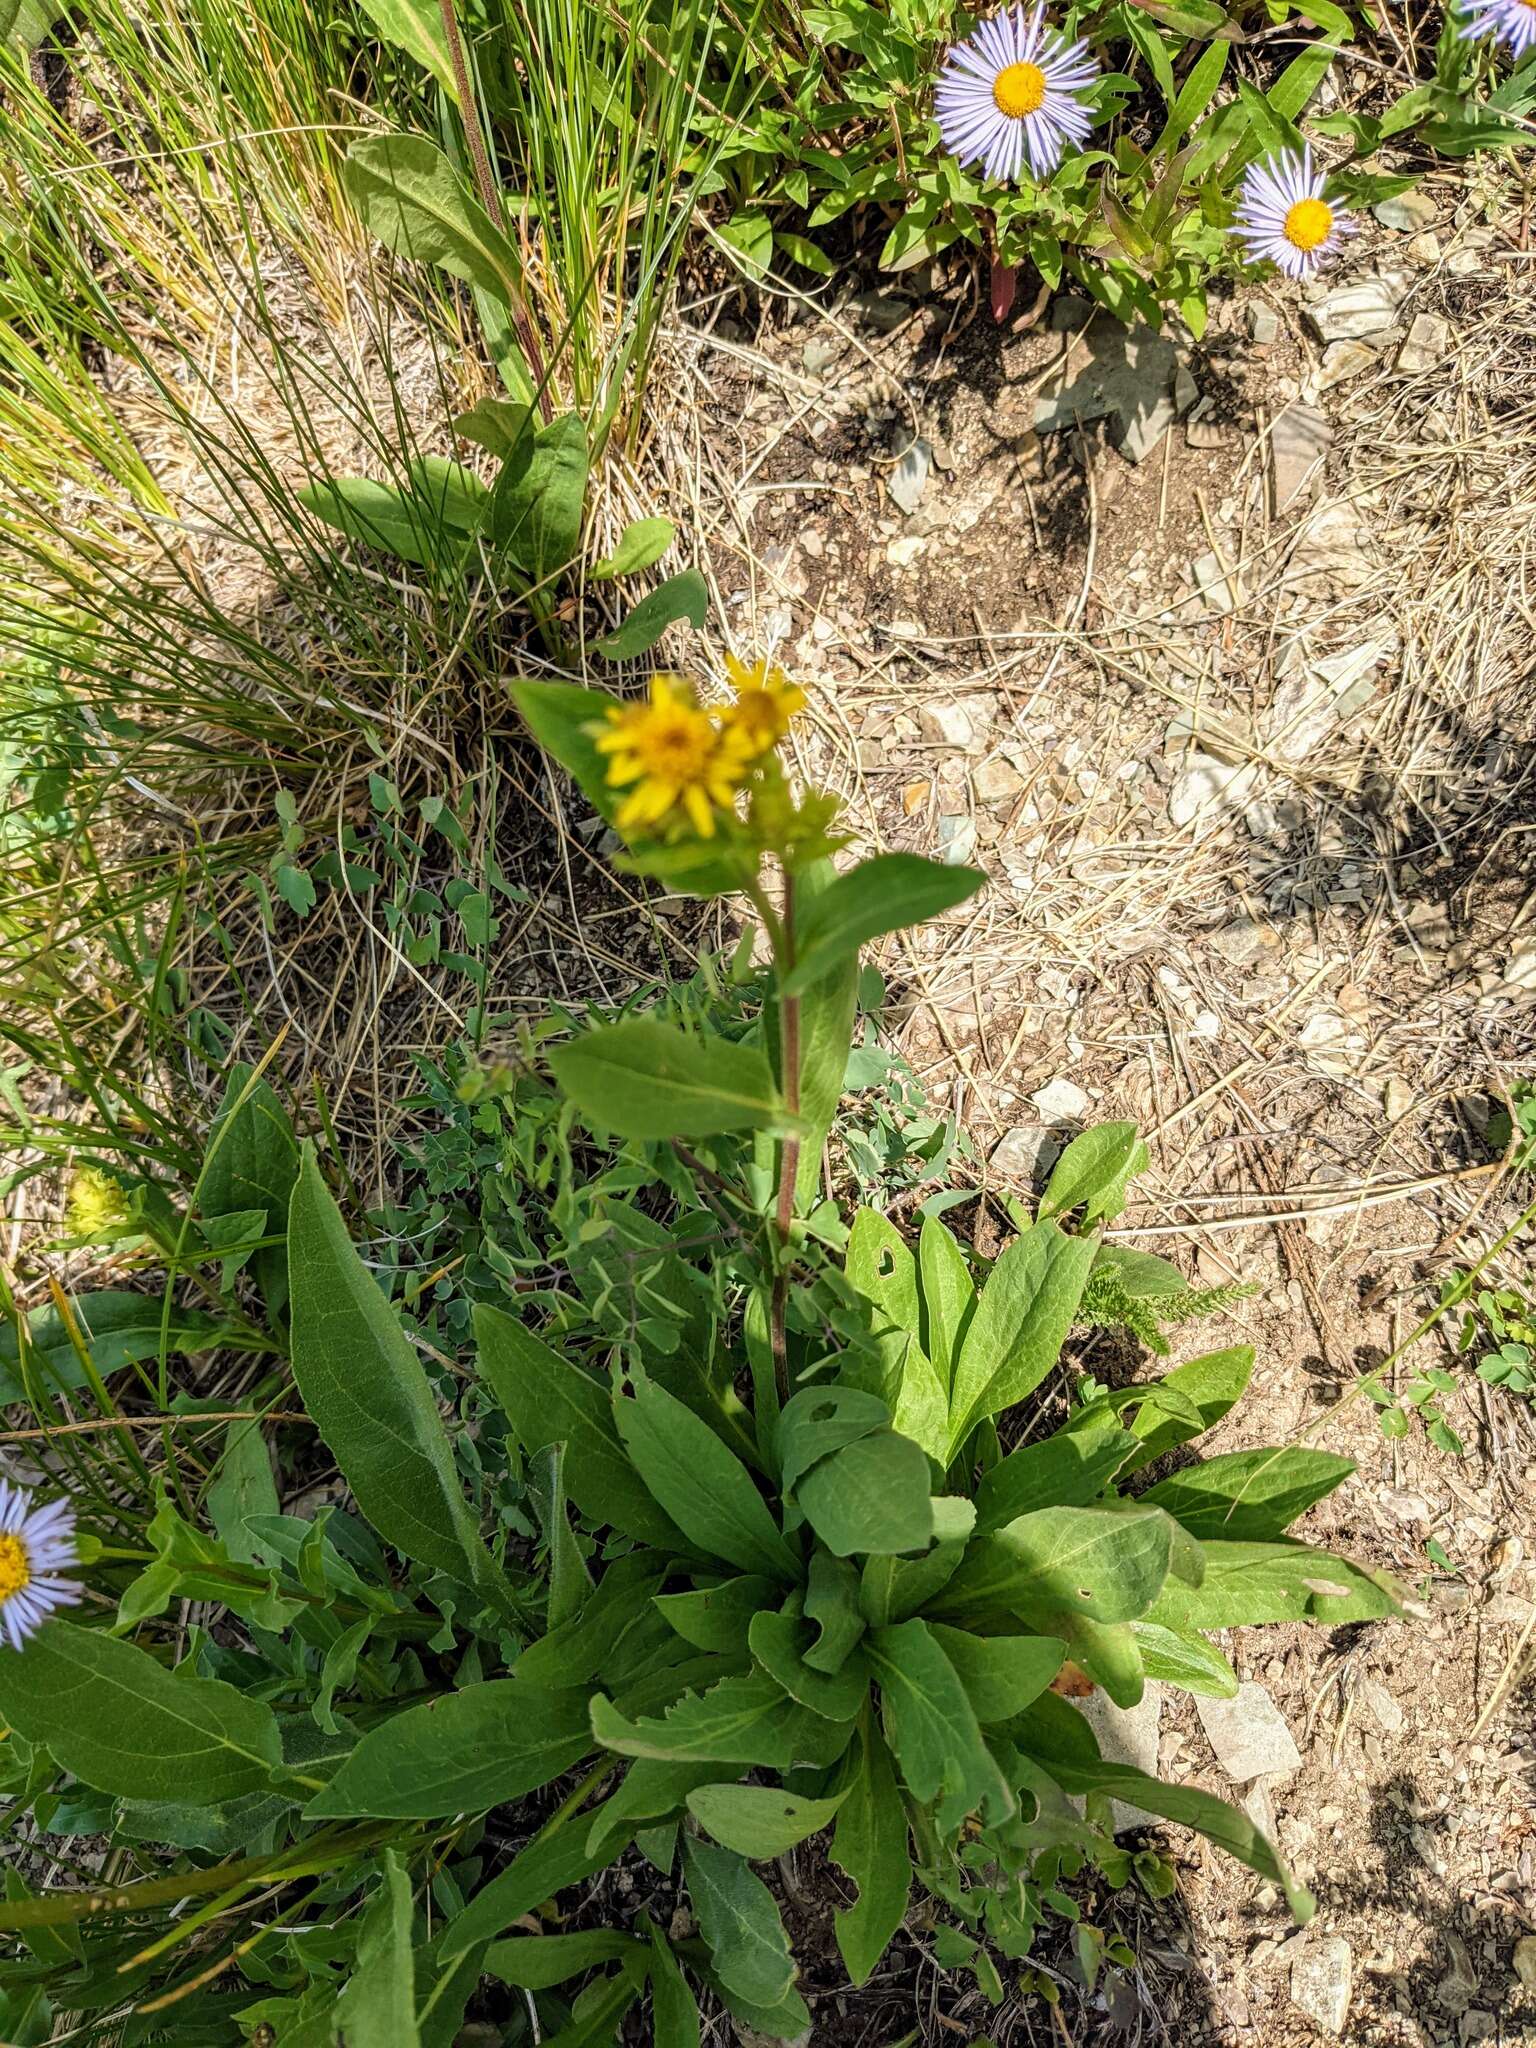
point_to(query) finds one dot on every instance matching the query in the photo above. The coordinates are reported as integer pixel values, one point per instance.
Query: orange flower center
(1309, 222)
(15, 1568)
(1019, 89)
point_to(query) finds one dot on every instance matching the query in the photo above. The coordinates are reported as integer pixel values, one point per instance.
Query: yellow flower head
(670, 749)
(95, 1208)
(766, 701)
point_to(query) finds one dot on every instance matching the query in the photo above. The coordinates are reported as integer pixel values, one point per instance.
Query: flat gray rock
(1128, 380)
(1406, 213)
(1352, 311)
(909, 479)
(1299, 442)
(1126, 1735)
(1322, 1977)
(1026, 1154)
(1249, 1735)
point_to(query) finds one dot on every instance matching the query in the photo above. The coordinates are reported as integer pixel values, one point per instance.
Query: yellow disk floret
(765, 703)
(15, 1568)
(1019, 89)
(672, 752)
(1308, 224)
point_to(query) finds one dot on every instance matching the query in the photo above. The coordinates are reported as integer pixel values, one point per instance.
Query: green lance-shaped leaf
(948, 1297)
(1108, 1564)
(871, 1496)
(832, 1607)
(1070, 1469)
(1249, 1495)
(1001, 1674)
(377, 2006)
(703, 1486)
(759, 1821)
(1202, 1391)
(674, 2009)
(894, 1588)
(1253, 1582)
(544, 1868)
(879, 895)
(643, 542)
(717, 1617)
(871, 1844)
(881, 1267)
(746, 1720)
(779, 1643)
(1093, 1172)
(549, 1399)
(368, 1394)
(820, 1420)
(1045, 1733)
(647, 1079)
(416, 26)
(932, 1728)
(739, 1922)
(251, 1164)
(537, 1962)
(1185, 1660)
(380, 516)
(533, 519)
(463, 1753)
(118, 1328)
(683, 596)
(1016, 1333)
(116, 1718)
(413, 199)
(565, 721)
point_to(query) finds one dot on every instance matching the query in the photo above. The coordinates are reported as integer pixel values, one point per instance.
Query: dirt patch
(1252, 785)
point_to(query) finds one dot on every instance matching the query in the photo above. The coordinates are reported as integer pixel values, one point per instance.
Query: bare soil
(1306, 985)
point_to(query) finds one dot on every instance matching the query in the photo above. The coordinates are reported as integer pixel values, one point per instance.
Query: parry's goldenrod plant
(769, 1548)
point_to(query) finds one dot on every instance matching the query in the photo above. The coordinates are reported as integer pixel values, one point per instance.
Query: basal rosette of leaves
(811, 1570)
(835, 120)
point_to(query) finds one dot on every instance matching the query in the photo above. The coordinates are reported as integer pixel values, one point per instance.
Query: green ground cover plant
(702, 1565)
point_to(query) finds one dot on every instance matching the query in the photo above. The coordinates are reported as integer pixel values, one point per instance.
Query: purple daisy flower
(1283, 216)
(36, 1544)
(1513, 22)
(1013, 89)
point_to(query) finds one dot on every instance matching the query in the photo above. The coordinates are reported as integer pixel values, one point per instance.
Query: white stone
(1351, 311)
(1208, 792)
(1520, 966)
(909, 479)
(1126, 1735)
(957, 840)
(1428, 342)
(1343, 360)
(1025, 1154)
(1299, 442)
(1249, 1735)
(946, 723)
(995, 781)
(1322, 1977)
(1221, 589)
(1406, 212)
(1263, 323)
(901, 554)
(1385, 1711)
(1062, 1101)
